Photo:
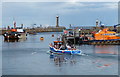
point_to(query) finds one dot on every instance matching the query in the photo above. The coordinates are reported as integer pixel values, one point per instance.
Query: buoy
(41, 38)
(52, 35)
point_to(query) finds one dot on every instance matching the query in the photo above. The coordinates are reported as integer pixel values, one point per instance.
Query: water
(30, 57)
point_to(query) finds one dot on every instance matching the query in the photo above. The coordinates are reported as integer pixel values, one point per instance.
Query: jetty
(107, 35)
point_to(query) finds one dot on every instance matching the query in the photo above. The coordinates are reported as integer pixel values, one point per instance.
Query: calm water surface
(30, 57)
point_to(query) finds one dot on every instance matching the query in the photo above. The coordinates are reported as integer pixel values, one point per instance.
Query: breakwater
(48, 29)
(60, 29)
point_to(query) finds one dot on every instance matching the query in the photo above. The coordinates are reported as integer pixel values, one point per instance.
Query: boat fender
(15, 34)
(5, 34)
(8, 36)
(62, 51)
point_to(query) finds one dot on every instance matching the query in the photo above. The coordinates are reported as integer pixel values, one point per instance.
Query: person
(68, 46)
(62, 47)
(56, 46)
(73, 47)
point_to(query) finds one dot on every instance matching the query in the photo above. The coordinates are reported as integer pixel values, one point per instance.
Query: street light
(79, 35)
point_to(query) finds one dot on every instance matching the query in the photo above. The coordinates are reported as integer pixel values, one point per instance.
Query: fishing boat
(56, 49)
(15, 34)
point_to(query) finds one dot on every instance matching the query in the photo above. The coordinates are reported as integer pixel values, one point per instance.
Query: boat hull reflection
(15, 40)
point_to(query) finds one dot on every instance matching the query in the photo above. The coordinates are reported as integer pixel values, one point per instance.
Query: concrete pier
(48, 29)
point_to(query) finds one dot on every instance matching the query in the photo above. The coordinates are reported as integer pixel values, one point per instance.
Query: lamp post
(79, 35)
(74, 37)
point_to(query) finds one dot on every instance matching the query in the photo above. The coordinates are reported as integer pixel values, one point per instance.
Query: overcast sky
(75, 13)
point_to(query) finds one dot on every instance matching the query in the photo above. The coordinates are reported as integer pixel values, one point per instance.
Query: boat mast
(14, 23)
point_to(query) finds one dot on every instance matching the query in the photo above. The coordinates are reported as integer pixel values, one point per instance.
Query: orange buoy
(41, 38)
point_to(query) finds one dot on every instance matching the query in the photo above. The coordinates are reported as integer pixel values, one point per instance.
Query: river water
(29, 57)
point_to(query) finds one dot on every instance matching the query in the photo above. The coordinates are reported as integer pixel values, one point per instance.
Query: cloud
(89, 6)
(45, 12)
(57, 7)
(111, 5)
(61, 1)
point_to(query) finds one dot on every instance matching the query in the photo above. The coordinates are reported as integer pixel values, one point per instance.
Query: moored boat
(104, 36)
(15, 34)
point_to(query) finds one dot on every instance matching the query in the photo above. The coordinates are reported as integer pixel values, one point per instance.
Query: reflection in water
(106, 49)
(15, 40)
(59, 60)
(100, 63)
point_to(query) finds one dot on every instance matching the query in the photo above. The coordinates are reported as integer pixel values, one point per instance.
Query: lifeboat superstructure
(106, 35)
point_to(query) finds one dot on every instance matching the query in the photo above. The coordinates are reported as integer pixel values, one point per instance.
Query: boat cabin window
(58, 43)
(13, 32)
(109, 34)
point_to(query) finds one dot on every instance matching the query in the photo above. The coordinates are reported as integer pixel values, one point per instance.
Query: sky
(44, 13)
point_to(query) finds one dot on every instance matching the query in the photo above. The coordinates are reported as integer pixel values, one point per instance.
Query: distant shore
(60, 29)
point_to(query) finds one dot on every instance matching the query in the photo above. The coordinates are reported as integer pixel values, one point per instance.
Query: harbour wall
(60, 29)
(56, 29)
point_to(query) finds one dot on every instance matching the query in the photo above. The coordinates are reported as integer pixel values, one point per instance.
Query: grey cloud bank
(76, 13)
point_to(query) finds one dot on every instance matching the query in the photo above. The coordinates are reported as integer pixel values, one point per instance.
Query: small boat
(69, 51)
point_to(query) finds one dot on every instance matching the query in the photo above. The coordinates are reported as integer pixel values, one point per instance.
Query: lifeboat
(106, 35)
